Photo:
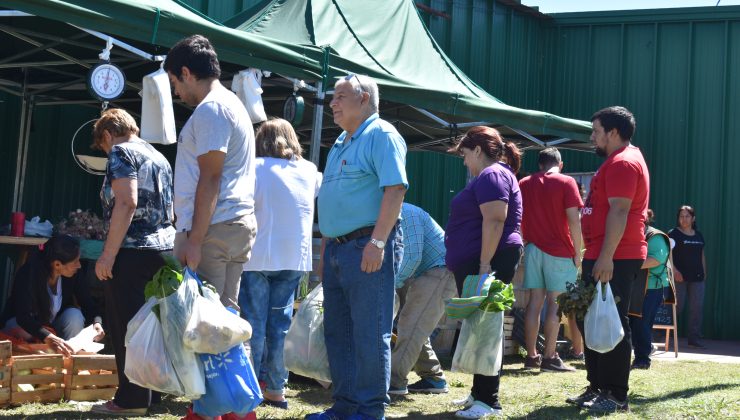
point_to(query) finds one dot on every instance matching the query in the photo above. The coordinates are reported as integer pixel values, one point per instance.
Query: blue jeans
(68, 323)
(642, 328)
(266, 301)
(358, 317)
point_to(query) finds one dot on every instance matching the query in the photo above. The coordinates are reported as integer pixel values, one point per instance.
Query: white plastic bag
(147, 362)
(603, 328)
(35, 227)
(480, 345)
(212, 328)
(305, 351)
(139, 319)
(175, 311)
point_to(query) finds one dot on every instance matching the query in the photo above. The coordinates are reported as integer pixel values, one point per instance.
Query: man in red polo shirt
(551, 226)
(613, 221)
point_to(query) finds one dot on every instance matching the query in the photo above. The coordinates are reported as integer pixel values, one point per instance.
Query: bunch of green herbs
(577, 298)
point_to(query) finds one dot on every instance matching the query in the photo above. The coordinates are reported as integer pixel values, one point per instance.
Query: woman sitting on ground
(42, 303)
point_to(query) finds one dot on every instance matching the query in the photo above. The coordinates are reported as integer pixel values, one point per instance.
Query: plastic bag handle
(193, 275)
(601, 291)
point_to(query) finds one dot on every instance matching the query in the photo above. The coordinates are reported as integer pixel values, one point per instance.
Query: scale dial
(293, 109)
(106, 81)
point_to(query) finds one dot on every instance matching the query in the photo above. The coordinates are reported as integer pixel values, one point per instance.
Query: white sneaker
(478, 410)
(465, 403)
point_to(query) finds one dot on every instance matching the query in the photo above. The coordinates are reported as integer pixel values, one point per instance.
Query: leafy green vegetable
(500, 297)
(172, 262)
(165, 282)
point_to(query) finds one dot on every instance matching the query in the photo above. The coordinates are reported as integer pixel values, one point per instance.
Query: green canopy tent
(50, 46)
(318, 40)
(389, 41)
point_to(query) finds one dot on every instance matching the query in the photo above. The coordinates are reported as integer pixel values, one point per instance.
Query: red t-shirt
(624, 174)
(546, 195)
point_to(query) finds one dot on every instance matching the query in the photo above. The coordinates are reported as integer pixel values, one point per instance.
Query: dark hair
(617, 117)
(62, 248)
(197, 54)
(690, 210)
(513, 156)
(491, 143)
(650, 217)
(549, 157)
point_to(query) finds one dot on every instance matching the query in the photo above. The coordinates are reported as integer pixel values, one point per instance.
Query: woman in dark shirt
(690, 269)
(137, 206)
(483, 234)
(44, 294)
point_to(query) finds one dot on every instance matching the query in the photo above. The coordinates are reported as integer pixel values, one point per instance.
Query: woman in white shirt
(286, 186)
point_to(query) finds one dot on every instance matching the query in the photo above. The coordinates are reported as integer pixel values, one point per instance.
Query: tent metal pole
(22, 140)
(318, 119)
(14, 13)
(529, 137)
(27, 136)
(434, 117)
(22, 64)
(121, 44)
(472, 124)
(556, 142)
(19, 154)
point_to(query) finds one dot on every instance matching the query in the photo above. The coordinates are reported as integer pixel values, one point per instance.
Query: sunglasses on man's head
(349, 77)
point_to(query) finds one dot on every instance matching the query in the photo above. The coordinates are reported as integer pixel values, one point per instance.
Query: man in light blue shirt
(359, 206)
(423, 284)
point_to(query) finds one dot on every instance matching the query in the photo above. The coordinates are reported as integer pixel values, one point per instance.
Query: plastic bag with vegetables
(175, 311)
(212, 328)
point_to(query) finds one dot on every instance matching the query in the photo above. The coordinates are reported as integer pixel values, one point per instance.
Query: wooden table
(23, 244)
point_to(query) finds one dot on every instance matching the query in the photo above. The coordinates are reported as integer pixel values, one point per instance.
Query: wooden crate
(5, 375)
(6, 352)
(510, 346)
(90, 377)
(42, 372)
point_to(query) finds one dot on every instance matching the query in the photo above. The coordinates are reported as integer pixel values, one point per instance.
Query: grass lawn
(669, 390)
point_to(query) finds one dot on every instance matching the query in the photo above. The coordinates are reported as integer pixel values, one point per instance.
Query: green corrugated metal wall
(10, 107)
(9, 117)
(434, 179)
(501, 49)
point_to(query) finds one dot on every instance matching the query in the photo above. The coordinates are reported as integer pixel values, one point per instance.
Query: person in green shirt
(658, 286)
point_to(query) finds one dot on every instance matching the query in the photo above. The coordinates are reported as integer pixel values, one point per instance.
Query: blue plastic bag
(231, 385)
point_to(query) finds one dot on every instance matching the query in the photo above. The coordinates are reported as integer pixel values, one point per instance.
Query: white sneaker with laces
(478, 410)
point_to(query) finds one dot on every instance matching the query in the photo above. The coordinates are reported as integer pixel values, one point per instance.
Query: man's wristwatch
(378, 243)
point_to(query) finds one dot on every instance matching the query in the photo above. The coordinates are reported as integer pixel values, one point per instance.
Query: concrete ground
(715, 351)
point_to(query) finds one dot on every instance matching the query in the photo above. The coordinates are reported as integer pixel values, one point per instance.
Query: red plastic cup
(17, 223)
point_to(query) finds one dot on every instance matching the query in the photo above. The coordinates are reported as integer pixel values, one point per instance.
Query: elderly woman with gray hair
(286, 186)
